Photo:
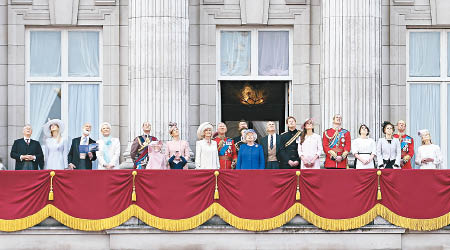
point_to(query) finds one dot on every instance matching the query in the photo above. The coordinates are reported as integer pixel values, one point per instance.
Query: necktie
(271, 142)
(28, 141)
(84, 140)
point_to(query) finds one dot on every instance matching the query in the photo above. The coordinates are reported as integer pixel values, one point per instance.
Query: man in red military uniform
(336, 145)
(406, 144)
(225, 147)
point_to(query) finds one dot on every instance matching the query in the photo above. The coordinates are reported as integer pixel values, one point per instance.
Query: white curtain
(448, 126)
(424, 54)
(425, 112)
(83, 107)
(273, 53)
(45, 53)
(83, 53)
(235, 53)
(42, 97)
(448, 54)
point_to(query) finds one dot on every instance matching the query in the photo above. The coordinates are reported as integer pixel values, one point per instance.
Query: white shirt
(311, 147)
(429, 151)
(274, 137)
(113, 152)
(361, 145)
(206, 155)
(388, 151)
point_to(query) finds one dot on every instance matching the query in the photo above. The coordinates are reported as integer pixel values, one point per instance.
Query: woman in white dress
(55, 147)
(309, 146)
(428, 155)
(206, 154)
(388, 148)
(364, 149)
(108, 149)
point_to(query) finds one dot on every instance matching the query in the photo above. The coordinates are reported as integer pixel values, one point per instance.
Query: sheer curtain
(83, 107)
(42, 98)
(424, 54)
(235, 53)
(45, 53)
(425, 112)
(273, 53)
(83, 53)
(448, 54)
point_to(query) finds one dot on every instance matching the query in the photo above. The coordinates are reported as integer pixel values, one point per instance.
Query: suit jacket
(74, 154)
(20, 147)
(265, 144)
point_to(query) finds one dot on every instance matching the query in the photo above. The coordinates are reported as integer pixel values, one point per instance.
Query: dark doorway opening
(254, 101)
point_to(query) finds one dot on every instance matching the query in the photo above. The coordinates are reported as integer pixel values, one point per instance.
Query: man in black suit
(79, 160)
(271, 146)
(27, 152)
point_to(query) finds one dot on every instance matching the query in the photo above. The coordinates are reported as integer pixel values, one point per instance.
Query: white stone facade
(180, 58)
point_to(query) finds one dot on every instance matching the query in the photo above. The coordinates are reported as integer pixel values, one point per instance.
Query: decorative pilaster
(158, 66)
(351, 63)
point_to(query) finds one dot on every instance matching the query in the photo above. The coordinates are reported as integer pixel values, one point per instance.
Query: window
(64, 79)
(427, 86)
(254, 54)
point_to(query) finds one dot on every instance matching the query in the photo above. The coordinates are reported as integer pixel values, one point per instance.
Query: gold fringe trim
(217, 209)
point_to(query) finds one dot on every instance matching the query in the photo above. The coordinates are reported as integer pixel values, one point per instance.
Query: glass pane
(45, 53)
(424, 54)
(45, 103)
(424, 112)
(448, 54)
(83, 108)
(83, 53)
(273, 53)
(235, 53)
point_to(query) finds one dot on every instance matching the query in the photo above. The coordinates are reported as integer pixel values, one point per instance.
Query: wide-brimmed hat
(255, 136)
(46, 127)
(423, 132)
(155, 143)
(202, 128)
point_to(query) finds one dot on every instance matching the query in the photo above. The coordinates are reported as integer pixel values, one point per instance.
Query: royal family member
(206, 154)
(406, 145)
(77, 159)
(336, 145)
(364, 149)
(289, 147)
(309, 146)
(139, 148)
(388, 148)
(225, 147)
(156, 158)
(108, 154)
(27, 152)
(251, 154)
(429, 155)
(55, 148)
(177, 145)
(271, 145)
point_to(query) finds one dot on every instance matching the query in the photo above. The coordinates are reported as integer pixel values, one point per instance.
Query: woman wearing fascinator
(429, 155)
(177, 150)
(55, 147)
(206, 154)
(309, 146)
(388, 148)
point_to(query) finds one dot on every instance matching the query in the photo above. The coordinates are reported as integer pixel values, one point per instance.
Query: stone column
(158, 73)
(351, 63)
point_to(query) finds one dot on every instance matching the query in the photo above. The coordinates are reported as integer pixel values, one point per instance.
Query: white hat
(423, 132)
(155, 143)
(202, 128)
(46, 127)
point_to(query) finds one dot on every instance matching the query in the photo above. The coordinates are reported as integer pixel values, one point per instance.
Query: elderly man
(139, 148)
(336, 145)
(225, 147)
(81, 160)
(27, 152)
(271, 146)
(406, 145)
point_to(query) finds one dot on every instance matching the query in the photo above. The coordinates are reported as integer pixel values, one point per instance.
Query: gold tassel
(216, 191)
(50, 194)
(297, 195)
(379, 189)
(133, 195)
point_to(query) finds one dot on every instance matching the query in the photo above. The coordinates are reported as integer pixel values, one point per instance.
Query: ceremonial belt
(226, 158)
(292, 139)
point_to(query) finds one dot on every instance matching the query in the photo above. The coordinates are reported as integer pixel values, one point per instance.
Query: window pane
(45, 102)
(235, 53)
(273, 53)
(45, 53)
(448, 54)
(424, 54)
(83, 107)
(425, 112)
(83, 53)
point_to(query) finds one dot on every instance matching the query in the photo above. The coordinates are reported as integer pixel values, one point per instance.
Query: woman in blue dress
(251, 154)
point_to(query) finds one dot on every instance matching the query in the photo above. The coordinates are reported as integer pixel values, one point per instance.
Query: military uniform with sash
(227, 152)
(407, 147)
(139, 150)
(336, 143)
(289, 148)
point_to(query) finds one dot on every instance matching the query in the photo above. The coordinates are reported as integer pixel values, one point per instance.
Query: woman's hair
(387, 123)
(364, 125)
(303, 133)
(58, 138)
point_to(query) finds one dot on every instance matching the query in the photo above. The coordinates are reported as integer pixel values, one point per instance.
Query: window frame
(64, 80)
(443, 81)
(254, 58)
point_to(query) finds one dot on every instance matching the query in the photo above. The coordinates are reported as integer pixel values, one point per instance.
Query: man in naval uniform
(225, 147)
(289, 158)
(406, 145)
(336, 145)
(139, 148)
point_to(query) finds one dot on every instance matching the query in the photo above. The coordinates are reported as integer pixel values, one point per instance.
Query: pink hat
(309, 119)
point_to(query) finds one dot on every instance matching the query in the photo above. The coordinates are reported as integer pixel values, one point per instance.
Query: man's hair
(290, 117)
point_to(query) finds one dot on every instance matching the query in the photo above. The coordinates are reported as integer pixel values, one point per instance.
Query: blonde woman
(206, 154)
(108, 149)
(55, 147)
(429, 155)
